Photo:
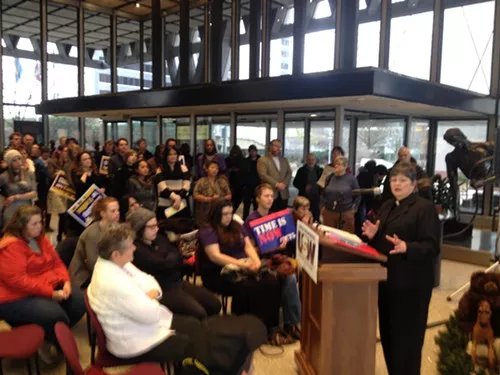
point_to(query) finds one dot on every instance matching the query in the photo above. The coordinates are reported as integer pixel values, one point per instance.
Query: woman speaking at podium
(407, 231)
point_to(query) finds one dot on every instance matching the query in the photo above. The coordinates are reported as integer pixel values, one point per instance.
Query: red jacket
(24, 273)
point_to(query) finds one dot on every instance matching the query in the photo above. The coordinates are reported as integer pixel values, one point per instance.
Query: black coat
(161, 260)
(300, 180)
(416, 222)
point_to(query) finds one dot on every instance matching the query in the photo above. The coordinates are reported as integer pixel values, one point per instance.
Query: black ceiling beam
(333, 84)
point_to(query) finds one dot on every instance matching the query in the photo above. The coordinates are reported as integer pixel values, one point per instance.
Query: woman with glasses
(156, 256)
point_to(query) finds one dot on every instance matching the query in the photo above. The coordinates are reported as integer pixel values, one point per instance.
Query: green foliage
(441, 193)
(453, 358)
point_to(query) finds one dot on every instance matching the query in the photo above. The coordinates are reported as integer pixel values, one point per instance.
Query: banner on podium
(270, 230)
(307, 250)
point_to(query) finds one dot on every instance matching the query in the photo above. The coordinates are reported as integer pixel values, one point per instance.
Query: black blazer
(415, 221)
(300, 180)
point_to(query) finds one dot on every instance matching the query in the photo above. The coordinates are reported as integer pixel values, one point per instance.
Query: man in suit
(275, 170)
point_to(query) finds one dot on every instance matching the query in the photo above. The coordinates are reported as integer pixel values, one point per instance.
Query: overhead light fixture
(314, 115)
(137, 5)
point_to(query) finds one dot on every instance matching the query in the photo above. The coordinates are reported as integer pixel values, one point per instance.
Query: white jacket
(132, 322)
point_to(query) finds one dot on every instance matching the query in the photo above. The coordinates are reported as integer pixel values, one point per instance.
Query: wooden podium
(339, 315)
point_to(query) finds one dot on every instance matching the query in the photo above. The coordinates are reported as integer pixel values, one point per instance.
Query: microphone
(375, 191)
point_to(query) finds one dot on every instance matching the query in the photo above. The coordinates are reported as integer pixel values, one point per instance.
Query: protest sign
(307, 250)
(81, 210)
(269, 230)
(103, 168)
(61, 186)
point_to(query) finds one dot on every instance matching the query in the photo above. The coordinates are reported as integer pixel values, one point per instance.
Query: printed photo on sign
(103, 168)
(307, 250)
(81, 210)
(61, 186)
(270, 230)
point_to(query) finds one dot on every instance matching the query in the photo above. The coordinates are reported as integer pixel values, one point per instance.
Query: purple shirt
(208, 236)
(253, 216)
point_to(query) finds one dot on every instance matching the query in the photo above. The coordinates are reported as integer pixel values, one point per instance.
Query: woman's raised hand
(369, 229)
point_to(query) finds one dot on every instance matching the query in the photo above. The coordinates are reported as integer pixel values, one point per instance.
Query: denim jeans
(45, 312)
(292, 308)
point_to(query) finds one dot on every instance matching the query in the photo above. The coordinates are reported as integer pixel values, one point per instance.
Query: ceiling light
(314, 115)
(137, 5)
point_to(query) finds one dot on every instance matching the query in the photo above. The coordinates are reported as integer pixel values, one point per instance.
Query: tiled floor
(452, 277)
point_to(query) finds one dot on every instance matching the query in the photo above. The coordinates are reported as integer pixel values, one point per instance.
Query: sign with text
(81, 210)
(270, 230)
(307, 250)
(104, 167)
(61, 186)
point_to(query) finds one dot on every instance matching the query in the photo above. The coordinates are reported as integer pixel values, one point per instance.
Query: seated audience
(290, 299)
(17, 184)
(173, 185)
(208, 190)
(105, 212)
(141, 185)
(34, 283)
(137, 327)
(156, 256)
(225, 243)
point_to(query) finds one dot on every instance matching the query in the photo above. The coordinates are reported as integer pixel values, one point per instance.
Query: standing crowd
(128, 260)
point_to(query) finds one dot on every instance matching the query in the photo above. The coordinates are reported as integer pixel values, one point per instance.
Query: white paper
(307, 250)
(327, 171)
(171, 211)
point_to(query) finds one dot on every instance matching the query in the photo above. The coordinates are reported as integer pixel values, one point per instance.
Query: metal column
(235, 40)
(298, 36)
(254, 39)
(339, 120)
(82, 53)
(141, 53)
(346, 34)
(184, 56)
(437, 40)
(158, 45)
(266, 37)
(113, 57)
(216, 42)
(385, 34)
(43, 68)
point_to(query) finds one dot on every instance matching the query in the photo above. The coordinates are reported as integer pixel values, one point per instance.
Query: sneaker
(49, 354)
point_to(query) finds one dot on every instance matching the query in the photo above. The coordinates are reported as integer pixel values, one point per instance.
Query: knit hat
(139, 217)
(10, 155)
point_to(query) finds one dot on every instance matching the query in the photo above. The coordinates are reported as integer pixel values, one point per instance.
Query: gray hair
(114, 239)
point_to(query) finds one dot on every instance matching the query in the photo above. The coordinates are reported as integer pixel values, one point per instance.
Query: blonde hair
(300, 201)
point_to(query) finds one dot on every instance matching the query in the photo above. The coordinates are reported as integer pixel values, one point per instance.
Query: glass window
(418, 140)
(475, 131)
(15, 113)
(467, 46)
(148, 65)
(62, 79)
(274, 131)
(21, 81)
(150, 133)
(94, 132)
(346, 135)
(293, 148)
(281, 57)
(129, 71)
(244, 61)
(202, 132)
(63, 126)
(136, 132)
(321, 140)
(289, 17)
(319, 50)
(122, 131)
(379, 140)
(221, 134)
(183, 133)
(368, 36)
(251, 133)
(169, 129)
(410, 44)
(322, 9)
